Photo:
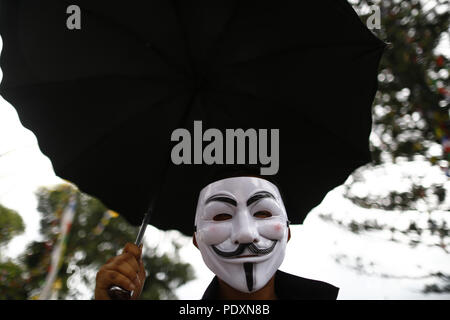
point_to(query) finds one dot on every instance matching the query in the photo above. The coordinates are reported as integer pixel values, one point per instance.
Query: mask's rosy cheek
(272, 229)
(214, 233)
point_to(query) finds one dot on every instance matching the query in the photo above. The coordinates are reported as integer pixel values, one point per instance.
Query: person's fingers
(122, 281)
(126, 270)
(141, 268)
(142, 273)
(128, 266)
(142, 277)
(137, 293)
(133, 249)
(111, 278)
(129, 259)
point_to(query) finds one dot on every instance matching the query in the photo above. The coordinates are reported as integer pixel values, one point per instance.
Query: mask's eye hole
(262, 214)
(222, 217)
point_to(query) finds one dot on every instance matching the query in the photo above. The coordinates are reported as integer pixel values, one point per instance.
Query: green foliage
(412, 105)
(96, 235)
(11, 224)
(12, 282)
(163, 276)
(413, 101)
(410, 120)
(443, 286)
(395, 200)
(11, 274)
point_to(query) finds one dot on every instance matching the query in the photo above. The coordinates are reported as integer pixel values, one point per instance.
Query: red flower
(440, 61)
(442, 91)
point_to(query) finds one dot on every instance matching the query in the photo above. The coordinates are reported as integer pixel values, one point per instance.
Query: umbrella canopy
(105, 98)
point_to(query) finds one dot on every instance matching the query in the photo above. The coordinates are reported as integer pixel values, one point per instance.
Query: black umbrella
(105, 99)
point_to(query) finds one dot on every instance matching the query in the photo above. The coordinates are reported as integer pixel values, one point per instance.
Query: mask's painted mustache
(240, 249)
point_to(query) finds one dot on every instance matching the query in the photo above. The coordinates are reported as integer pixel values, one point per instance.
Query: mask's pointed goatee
(248, 268)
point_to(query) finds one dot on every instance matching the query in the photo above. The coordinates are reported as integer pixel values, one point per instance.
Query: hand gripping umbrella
(105, 98)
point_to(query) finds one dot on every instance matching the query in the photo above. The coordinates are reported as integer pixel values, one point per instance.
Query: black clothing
(288, 287)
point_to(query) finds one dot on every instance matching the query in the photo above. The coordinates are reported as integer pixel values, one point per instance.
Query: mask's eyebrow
(222, 198)
(258, 196)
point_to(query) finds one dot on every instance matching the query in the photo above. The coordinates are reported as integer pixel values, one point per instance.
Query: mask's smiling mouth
(240, 249)
(246, 256)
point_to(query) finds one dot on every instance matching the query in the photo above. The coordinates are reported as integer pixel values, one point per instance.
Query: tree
(96, 234)
(11, 224)
(11, 274)
(410, 115)
(411, 108)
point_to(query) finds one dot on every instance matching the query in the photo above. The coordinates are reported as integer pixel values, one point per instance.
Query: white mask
(237, 211)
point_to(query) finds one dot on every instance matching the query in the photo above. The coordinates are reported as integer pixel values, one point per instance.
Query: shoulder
(288, 286)
(212, 291)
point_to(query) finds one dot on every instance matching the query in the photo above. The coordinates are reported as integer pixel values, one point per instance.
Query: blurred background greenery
(96, 234)
(410, 124)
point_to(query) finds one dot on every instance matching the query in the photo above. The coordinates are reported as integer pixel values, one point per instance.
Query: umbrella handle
(117, 293)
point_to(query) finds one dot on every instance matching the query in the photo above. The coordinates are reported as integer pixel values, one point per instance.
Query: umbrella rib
(221, 37)
(105, 135)
(137, 36)
(293, 49)
(265, 99)
(83, 79)
(184, 36)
